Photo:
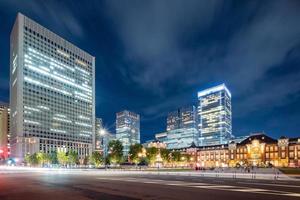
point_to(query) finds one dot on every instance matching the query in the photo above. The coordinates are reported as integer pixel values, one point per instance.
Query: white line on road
(270, 184)
(200, 185)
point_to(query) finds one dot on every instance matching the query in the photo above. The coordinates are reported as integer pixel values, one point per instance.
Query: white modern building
(128, 129)
(52, 92)
(214, 114)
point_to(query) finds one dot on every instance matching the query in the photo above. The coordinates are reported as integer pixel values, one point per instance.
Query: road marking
(269, 184)
(202, 185)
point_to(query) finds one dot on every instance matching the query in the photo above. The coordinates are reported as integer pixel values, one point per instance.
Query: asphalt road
(89, 185)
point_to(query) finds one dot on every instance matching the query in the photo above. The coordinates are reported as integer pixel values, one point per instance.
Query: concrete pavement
(98, 184)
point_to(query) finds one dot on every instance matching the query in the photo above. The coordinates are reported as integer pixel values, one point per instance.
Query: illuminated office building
(162, 137)
(214, 113)
(52, 92)
(182, 128)
(4, 131)
(103, 137)
(98, 132)
(128, 129)
(185, 117)
(173, 120)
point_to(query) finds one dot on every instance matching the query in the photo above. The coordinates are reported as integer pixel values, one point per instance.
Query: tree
(31, 159)
(72, 157)
(165, 155)
(115, 151)
(97, 158)
(42, 158)
(151, 154)
(53, 157)
(86, 160)
(62, 158)
(135, 153)
(175, 155)
(28, 159)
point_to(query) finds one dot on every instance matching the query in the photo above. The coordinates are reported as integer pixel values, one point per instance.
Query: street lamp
(102, 131)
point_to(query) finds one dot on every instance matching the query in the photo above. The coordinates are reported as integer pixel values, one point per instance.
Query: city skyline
(268, 104)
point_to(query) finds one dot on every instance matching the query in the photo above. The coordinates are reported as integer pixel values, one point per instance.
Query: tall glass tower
(182, 129)
(214, 114)
(52, 92)
(128, 129)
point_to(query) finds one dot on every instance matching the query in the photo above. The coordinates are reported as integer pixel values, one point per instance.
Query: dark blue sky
(153, 56)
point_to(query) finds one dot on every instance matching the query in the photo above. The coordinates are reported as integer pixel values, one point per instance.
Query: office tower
(182, 129)
(128, 129)
(98, 132)
(214, 112)
(185, 117)
(105, 138)
(188, 117)
(4, 131)
(52, 92)
(173, 120)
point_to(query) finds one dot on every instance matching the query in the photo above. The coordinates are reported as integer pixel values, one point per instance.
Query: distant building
(255, 150)
(214, 113)
(188, 117)
(103, 137)
(185, 117)
(98, 131)
(128, 129)
(4, 131)
(173, 120)
(162, 137)
(182, 128)
(157, 144)
(52, 92)
(181, 138)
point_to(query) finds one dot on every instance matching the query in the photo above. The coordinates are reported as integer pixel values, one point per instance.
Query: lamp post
(103, 133)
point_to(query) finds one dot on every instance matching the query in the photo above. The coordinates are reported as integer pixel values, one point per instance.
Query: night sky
(153, 56)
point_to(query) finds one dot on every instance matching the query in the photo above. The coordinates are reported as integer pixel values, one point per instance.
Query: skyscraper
(128, 129)
(4, 131)
(188, 117)
(103, 137)
(52, 92)
(214, 113)
(98, 132)
(173, 120)
(184, 117)
(182, 128)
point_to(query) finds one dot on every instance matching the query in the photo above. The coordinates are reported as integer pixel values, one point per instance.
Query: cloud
(62, 17)
(151, 31)
(157, 37)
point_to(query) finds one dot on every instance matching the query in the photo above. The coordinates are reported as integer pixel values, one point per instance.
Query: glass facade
(181, 138)
(103, 137)
(52, 92)
(182, 128)
(214, 113)
(98, 132)
(185, 117)
(128, 129)
(162, 137)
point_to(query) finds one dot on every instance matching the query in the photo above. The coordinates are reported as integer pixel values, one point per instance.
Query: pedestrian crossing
(208, 186)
